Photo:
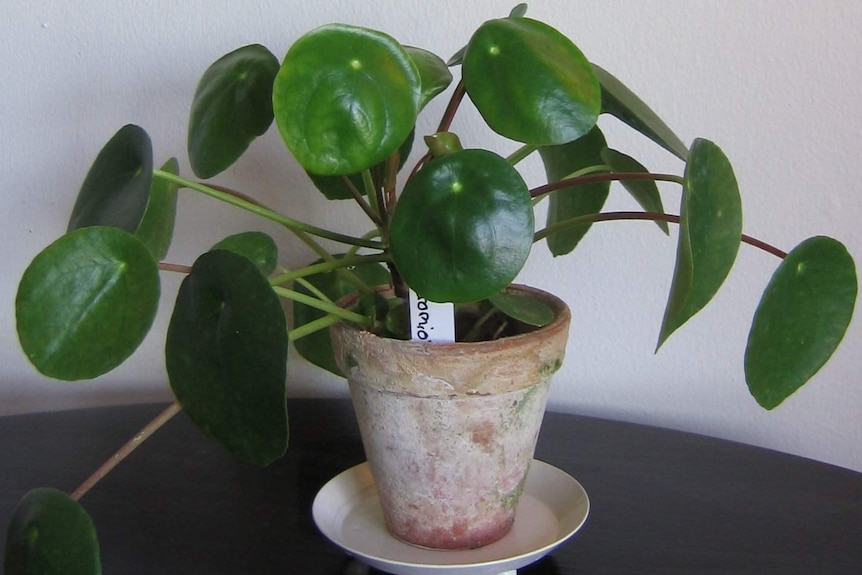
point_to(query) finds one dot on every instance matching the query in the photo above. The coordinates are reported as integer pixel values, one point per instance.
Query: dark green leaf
(645, 192)
(433, 72)
(560, 162)
(232, 106)
(530, 83)
(86, 302)
(710, 232)
(334, 187)
(226, 355)
(317, 347)
(117, 187)
(51, 534)
(801, 319)
(345, 98)
(463, 227)
(157, 226)
(523, 308)
(619, 101)
(457, 58)
(256, 246)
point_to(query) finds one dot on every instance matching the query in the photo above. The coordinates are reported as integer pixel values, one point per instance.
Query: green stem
(644, 216)
(312, 327)
(371, 193)
(474, 331)
(594, 178)
(264, 212)
(515, 157)
(328, 266)
(357, 197)
(328, 307)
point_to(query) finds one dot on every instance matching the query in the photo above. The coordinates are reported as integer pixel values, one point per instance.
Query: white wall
(777, 84)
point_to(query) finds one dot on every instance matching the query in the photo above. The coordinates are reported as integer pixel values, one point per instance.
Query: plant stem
(328, 266)
(312, 327)
(357, 197)
(126, 449)
(515, 157)
(328, 307)
(452, 107)
(255, 208)
(178, 268)
(594, 178)
(648, 216)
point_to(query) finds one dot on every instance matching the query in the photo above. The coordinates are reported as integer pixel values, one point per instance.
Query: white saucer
(552, 508)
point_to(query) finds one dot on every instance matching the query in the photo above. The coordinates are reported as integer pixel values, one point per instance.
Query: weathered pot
(450, 429)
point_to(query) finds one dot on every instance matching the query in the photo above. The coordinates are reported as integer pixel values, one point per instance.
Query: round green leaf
(259, 247)
(433, 72)
(117, 188)
(645, 192)
(157, 226)
(710, 233)
(86, 302)
(619, 101)
(317, 347)
(573, 202)
(334, 187)
(801, 319)
(232, 106)
(226, 356)
(51, 534)
(345, 98)
(524, 308)
(530, 83)
(463, 227)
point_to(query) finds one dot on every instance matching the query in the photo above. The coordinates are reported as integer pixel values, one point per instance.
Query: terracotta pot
(449, 429)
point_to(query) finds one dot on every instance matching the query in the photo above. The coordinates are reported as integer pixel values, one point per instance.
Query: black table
(661, 501)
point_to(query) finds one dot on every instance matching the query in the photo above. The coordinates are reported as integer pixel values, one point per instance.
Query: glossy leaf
(226, 356)
(334, 188)
(457, 58)
(317, 347)
(523, 308)
(86, 302)
(345, 98)
(256, 246)
(117, 187)
(519, 11)
(51, 534)
(645, 192)
(463, 227)
(560, 162)
(801, 319)
(433, 73)
(232, 106)
(710, 232)
(157, 226)
(530, 83)
(619, 101)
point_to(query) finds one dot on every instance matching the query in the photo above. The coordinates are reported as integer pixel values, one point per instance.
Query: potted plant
(457, 226)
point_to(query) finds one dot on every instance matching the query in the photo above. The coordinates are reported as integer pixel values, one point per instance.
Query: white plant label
(431, 322)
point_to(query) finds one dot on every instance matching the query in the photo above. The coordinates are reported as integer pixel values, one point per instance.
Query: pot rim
(561, 321)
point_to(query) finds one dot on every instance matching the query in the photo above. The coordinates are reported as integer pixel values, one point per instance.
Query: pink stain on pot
(450, 429)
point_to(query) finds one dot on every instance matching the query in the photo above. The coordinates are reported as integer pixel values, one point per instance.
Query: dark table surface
(661, 501)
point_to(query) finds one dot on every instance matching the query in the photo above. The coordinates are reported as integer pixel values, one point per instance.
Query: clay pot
(450, 429)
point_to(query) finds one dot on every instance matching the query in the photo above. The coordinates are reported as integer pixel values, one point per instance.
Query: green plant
(460, 228)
